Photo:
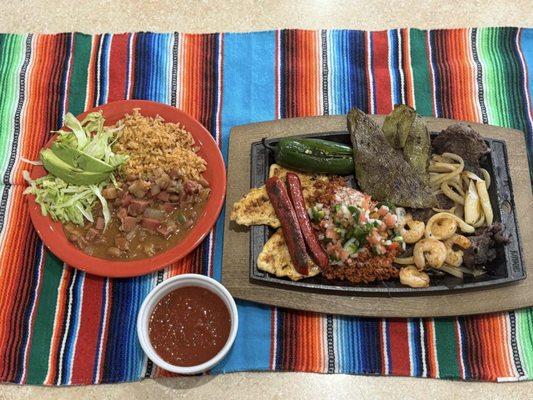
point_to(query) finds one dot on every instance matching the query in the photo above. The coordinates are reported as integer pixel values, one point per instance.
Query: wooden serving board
(236, 268)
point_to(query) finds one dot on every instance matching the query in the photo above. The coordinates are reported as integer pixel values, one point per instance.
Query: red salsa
(189, 326)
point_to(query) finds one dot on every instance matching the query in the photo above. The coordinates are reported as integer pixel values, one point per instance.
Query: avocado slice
(79, 159)
(56, 166)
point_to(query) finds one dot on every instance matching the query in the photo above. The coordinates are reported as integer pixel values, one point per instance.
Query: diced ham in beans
(122, 212)
(191, 187)
(139, 188)
(100, 223)
(71, 228)
(75, 234)
(163, 196)
(155, 190)
(150, 224)
(126, 199)
(128, 224)
(131, 235)
(163, 181)
(73, 237)
(110, 193)
(137, 207)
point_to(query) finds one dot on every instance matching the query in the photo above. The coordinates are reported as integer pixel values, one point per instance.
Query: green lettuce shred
(64, 202)
(91, 137)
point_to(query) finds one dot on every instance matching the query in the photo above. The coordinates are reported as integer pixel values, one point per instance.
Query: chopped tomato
(331, 234)
(393, 246)
(365, 203)
(374, 237)
(383, 210)
(390, 220)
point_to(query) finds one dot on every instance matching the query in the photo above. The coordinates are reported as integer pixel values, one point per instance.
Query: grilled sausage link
(314, 248)
(277, 193)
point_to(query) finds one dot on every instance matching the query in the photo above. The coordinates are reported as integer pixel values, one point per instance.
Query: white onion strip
(404, 261)
(484, 199)
(447, 190)
(466, 228)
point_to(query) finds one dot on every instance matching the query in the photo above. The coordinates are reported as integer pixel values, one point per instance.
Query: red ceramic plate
(52, 233)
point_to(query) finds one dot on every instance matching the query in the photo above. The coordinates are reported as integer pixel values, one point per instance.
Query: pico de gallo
(354, 226)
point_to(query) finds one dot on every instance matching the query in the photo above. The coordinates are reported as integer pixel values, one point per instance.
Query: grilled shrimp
(429, 252)
(455, 257)
(442, 228)
(415, 231)
(459, 240)
(411, 276)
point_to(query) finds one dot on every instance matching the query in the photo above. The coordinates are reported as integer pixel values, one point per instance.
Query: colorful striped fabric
(59, 326)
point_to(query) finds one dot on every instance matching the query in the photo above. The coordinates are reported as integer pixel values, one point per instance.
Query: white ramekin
(164, 288)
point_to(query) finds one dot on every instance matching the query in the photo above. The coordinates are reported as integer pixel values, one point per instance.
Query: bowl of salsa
(187, 324)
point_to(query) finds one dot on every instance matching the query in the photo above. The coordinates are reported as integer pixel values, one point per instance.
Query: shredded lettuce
(93, 122)
(91, 137)
(98, 147)
(25, 160)
(88, 216)
(64, 202)
(72, 122)
(97, 190)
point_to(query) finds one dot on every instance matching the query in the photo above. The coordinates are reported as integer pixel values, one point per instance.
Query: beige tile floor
(245, 15)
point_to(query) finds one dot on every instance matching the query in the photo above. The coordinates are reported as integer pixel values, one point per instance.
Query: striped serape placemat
(59, 326)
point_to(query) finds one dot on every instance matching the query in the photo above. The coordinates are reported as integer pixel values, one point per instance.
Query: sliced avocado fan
(75, 176)
(78, 159)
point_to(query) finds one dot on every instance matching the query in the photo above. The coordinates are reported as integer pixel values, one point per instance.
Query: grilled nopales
(397, 125)
(405, 130)
(381, 170)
